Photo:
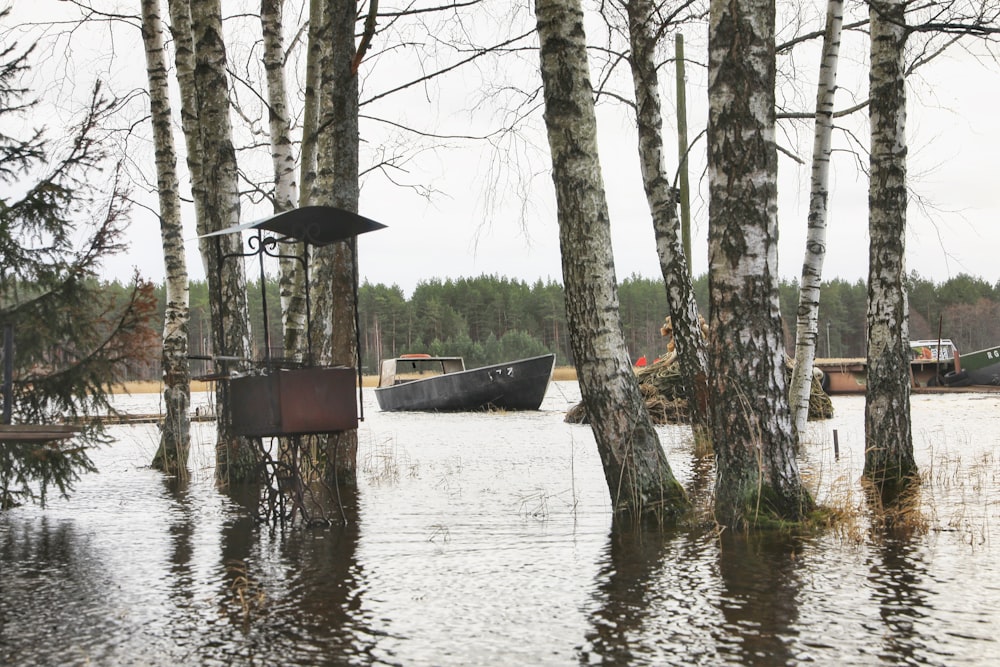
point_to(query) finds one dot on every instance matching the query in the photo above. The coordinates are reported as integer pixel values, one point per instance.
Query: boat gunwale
(461, 372)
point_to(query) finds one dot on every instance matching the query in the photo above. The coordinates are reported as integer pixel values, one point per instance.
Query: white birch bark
(889, 460)
(279, 123)
(201, 71)
(334, 271)
(807, 325)
(175, 435)
(310, 110)
(337, 185)
(690, 344)
(292, 280)
(757, 476)
(180, 29)
(635, 468)
(286, 192)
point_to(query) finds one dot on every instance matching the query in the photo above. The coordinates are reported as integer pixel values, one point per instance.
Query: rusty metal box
(294, 402)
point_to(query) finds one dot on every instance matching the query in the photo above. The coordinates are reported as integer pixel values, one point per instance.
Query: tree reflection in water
(760, 574)
(896, 573)
(653, 599)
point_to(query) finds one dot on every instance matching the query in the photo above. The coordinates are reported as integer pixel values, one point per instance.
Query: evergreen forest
(490, 319)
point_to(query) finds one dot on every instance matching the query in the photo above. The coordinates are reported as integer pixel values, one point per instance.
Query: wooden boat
(443, 384)
(935, 366)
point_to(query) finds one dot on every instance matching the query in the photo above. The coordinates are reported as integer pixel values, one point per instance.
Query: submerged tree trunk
(889, 461)
(335, 269)
(807, 327)
(201, 73)
(690, 344)
(175, 435)
(636, 470)
(757, 477)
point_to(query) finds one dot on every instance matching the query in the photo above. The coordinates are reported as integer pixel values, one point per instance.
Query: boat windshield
(932, 350)
(408, 369)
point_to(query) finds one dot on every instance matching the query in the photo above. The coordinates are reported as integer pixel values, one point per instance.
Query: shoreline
(561, 373)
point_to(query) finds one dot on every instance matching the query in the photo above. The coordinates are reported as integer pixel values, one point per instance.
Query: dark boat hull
(514, 385)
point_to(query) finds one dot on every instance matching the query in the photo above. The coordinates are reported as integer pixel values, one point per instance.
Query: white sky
(473, 225)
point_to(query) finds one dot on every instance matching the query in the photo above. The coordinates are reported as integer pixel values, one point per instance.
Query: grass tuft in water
(248, 595)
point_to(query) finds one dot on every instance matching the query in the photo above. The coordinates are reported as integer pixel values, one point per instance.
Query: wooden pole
(682, 150)
(8, 372)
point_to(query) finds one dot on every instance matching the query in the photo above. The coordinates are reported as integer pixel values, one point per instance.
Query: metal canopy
(316, 225)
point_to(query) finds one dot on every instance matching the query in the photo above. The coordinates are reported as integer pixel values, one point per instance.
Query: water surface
(486, 539)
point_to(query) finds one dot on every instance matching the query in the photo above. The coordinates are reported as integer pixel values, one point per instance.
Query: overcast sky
(473, 223)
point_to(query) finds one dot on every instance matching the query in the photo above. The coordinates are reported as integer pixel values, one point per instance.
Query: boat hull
(983, 366)
(514, 385)
(975, 369)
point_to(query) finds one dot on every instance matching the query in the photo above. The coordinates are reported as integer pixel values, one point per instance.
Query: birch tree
(286, 190)
(690, 344)
(279, 122)
(175, 435)
(334, 267)
(200, 58)
(757, 476)
(807, 324)
(889, 461)
(638, 475)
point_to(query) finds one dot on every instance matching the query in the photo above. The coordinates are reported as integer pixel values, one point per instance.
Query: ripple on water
(486, 540)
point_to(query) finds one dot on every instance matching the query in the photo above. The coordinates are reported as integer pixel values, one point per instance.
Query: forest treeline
(491, 318)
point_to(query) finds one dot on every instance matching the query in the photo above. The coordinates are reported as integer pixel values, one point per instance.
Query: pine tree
(71, 339)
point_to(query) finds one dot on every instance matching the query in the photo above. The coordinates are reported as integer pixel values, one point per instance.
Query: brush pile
(663, 389)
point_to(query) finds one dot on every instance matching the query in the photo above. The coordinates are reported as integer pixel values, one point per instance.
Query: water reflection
(896, 576)
(760, 575)
(43, 561)
(626, 585)
(654, 599)
(325, 589)
(181, 534)
(290, 596)
(486, 540)
(692, 596)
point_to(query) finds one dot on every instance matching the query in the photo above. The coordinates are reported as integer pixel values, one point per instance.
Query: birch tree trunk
(757, 476)
(282, 156)
(315, 57)
(807, 326)
(286, 191)
(175, 435)
(292, 279)
(690, 344)
(889, 461)
(638, 475)
(334, 268)
(201, 73)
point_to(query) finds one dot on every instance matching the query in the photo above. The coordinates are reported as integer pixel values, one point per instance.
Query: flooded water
(486, 539)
